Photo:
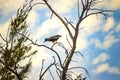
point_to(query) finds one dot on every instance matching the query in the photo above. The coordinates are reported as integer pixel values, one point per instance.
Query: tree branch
(41, 68)
(100, 12)
(64, 23)
(34, 43)
(46, 70)
(68, 22)
(80, 54)
(3, 38)
(79, 67)
(51, 74)
(16, 74)
(68, 41)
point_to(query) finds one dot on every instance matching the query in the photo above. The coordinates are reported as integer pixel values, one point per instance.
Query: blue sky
(99, 41)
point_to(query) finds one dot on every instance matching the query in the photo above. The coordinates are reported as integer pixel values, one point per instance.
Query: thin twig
(46, 70)
(78, 6)
(51, 15)
(80, 54)
(72, 73)
(51, 74)
(3, 38)
(61, 45)
(100, 12)
(79, 67)
(37, 4)
(70, 23)
(68, 41)
(82, 3)
(41, 67)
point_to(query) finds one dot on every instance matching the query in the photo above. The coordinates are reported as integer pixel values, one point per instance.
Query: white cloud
(103, 57)
(110, 4)
(2, 2)
(101, 68)
(106, 68)
(48, 27)
(39, 56)
(62, 6)
(117, 29)
(108, 41)
(91, 25)
(10, 5)
(109, 24)
(82, 43)
(32, 18)
(113, 4)
(114, 70)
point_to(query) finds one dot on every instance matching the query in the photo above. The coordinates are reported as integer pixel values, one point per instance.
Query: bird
(52, 39)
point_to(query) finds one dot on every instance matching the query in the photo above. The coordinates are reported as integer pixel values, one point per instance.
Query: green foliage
(16, 49)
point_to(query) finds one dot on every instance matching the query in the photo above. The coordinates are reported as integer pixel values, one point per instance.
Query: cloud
(39, 56)
(82, 43)
(109, 24)
(106, 68)
(101, 68)
(2, 1)
(114, 70)
(108, 41)
(103, 57)
(48, 27)
(110, 4)
(32, 18)
(9, 6)
(117, 29)
(91, 25)
(62, 6)
(113, 4)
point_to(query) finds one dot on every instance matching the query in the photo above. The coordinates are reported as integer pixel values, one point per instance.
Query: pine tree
(15, 48)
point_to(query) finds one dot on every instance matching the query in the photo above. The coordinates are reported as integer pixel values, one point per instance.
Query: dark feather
(53, 38)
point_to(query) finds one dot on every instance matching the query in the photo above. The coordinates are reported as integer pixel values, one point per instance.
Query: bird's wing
(54, 36)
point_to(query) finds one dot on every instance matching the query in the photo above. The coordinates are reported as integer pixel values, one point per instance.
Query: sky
(99, 41)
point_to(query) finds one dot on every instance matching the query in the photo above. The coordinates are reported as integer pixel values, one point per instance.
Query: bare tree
(63, 70)
(62, 66)
(88, 9)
